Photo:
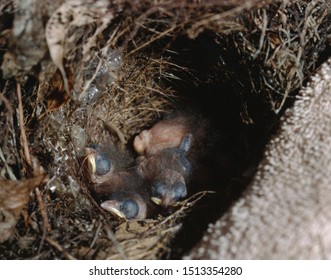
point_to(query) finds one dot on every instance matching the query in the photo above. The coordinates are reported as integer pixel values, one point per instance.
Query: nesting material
(77, 72)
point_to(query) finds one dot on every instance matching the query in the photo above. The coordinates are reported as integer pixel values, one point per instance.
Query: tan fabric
(286, 212)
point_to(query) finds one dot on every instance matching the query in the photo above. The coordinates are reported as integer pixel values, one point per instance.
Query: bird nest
(80, 72)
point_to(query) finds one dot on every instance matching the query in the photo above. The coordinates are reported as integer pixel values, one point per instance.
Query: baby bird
(127, 203)
(165, 160)
(166, 173)
(116, 184)
(167, 133)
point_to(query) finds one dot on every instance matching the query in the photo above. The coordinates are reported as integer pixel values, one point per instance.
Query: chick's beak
(113, 207)
(165, 202)
(91, 163)
(156, 200)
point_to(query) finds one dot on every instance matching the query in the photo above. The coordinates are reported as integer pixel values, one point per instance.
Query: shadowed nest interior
(79, 72)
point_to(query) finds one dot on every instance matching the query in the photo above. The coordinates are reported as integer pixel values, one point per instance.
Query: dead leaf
(70, 15)
(58, 95)
(14, 195)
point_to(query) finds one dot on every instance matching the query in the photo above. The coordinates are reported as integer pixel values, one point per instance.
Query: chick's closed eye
(179, 191)
(102, 165)
(129, 208)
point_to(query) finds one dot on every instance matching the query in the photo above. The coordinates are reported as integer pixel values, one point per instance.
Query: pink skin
(165, 134)
(158, 164)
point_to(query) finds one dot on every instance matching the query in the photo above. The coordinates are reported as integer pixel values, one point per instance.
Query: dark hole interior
(220, 89)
